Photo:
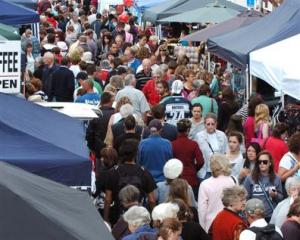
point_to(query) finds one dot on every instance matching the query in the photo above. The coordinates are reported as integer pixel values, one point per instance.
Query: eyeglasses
(210, 124)
(265, 162)
(163, 50)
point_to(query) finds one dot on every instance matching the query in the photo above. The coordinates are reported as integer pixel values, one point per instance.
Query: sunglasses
(265, 162)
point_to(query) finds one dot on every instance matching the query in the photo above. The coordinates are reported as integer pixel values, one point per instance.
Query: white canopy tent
(278, 65)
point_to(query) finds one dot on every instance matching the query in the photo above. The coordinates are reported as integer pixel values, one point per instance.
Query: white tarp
(278, 65)
(79, 111)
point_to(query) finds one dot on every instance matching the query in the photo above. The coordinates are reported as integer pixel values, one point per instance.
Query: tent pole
(247, 82)
(250, 83)
(282, 99)
(208, 61)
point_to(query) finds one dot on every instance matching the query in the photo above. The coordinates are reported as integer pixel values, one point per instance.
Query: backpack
(266, 233)
(125, 179)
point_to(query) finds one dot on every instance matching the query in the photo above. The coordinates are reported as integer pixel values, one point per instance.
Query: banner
(10, 66)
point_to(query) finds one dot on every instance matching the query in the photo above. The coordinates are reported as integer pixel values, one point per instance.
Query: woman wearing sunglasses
(264, 184)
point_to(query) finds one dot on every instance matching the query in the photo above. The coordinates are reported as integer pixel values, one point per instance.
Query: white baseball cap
(177, 87)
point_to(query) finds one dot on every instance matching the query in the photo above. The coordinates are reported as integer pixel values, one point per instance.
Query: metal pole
(247, 83)
(250, 83)
(208, 61)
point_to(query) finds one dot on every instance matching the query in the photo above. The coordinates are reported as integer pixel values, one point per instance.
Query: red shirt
(227, 225)
(150, 92)
(277, 147)
(189, 153)
(249, 130)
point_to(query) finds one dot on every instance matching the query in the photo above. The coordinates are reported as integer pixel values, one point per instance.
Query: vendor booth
(277, 64)
(278, 25)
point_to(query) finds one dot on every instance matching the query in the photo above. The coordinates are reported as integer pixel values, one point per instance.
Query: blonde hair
(261, 113)
(219, 165)
(122, 101)
(179, 189)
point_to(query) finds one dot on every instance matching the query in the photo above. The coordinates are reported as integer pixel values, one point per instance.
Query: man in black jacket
(47, 78)
(63, 83)
(96, 131)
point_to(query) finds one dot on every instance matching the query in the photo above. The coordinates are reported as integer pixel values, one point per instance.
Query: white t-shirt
(237, 165)
(288, 161)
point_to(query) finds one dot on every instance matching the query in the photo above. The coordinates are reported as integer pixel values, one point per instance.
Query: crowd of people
(175, 155)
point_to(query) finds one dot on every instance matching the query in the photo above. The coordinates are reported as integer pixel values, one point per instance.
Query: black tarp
(36, 208)
(278, 25)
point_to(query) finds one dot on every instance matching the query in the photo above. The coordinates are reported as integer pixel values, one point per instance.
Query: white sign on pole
(10, 66)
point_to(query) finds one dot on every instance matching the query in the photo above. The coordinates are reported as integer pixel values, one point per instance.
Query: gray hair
(116, 81)
(211, 115)
(157, 72)
(233, 194)
(129, 79)
(164, 67)
(198, 83)
(165, 210)
(126, 110)
(129, 195)
(291, 182)
(219, 165)
(90, 83)
(137, 216)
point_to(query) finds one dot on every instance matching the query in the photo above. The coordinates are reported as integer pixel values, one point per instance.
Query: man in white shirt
(137, 97)
(255, 212)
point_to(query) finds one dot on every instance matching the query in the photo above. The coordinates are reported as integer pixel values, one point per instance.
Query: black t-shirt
(132, 170)
(142, 79)
(193, 231)
(118, 141)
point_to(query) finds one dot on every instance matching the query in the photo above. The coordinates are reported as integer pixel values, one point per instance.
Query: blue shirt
(89, 98)
(145, 229)
(135, 64)
(153, 153)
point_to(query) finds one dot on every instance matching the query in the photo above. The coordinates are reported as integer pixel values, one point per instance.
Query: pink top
(209, 199)
(249, 130)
